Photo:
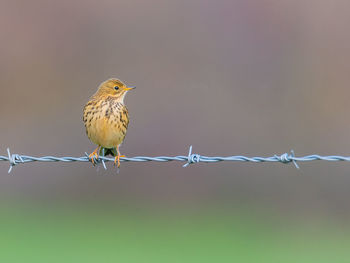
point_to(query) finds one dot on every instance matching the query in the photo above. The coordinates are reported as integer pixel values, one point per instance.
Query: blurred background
(236, 77)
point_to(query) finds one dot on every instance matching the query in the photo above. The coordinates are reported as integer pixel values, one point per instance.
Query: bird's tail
(108, 151)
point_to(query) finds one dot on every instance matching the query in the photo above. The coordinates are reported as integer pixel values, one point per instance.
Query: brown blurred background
(253, 78)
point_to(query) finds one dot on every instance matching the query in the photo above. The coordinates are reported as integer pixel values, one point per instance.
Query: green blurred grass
(76, 233)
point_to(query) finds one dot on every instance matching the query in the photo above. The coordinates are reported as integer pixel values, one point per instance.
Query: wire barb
(192, 158)
(287, 158)
(12, 158)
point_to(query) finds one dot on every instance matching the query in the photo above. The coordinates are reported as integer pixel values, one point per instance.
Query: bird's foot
(94, 156)
(117, 160)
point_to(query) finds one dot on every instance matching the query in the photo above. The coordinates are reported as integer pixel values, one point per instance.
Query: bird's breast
(107, 123)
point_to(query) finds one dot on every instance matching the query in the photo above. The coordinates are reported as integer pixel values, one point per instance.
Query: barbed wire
(284, 158)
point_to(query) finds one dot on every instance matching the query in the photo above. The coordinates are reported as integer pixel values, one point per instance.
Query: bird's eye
(116, 87)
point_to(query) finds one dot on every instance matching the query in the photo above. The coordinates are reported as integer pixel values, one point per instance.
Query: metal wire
(285, 158)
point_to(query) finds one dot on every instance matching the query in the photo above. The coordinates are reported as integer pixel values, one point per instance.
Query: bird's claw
(117, 160)
(93, 157)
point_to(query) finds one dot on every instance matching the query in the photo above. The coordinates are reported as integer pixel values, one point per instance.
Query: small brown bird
(106, 118)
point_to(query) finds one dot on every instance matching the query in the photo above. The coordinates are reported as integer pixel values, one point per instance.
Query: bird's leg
(94, 155)
(117, 158)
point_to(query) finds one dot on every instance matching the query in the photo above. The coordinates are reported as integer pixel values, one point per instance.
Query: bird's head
(113, 88)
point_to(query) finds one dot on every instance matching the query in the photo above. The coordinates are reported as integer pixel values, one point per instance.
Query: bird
(106, 119)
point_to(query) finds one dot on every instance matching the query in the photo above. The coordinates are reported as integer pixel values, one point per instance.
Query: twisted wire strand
(285, 158)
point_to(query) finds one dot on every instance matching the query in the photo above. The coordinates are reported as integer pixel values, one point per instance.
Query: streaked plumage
(106, 117)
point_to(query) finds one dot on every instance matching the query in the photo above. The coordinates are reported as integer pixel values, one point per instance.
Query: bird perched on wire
(106, 118)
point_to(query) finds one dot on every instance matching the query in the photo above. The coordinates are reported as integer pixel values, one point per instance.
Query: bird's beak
(129, 88)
